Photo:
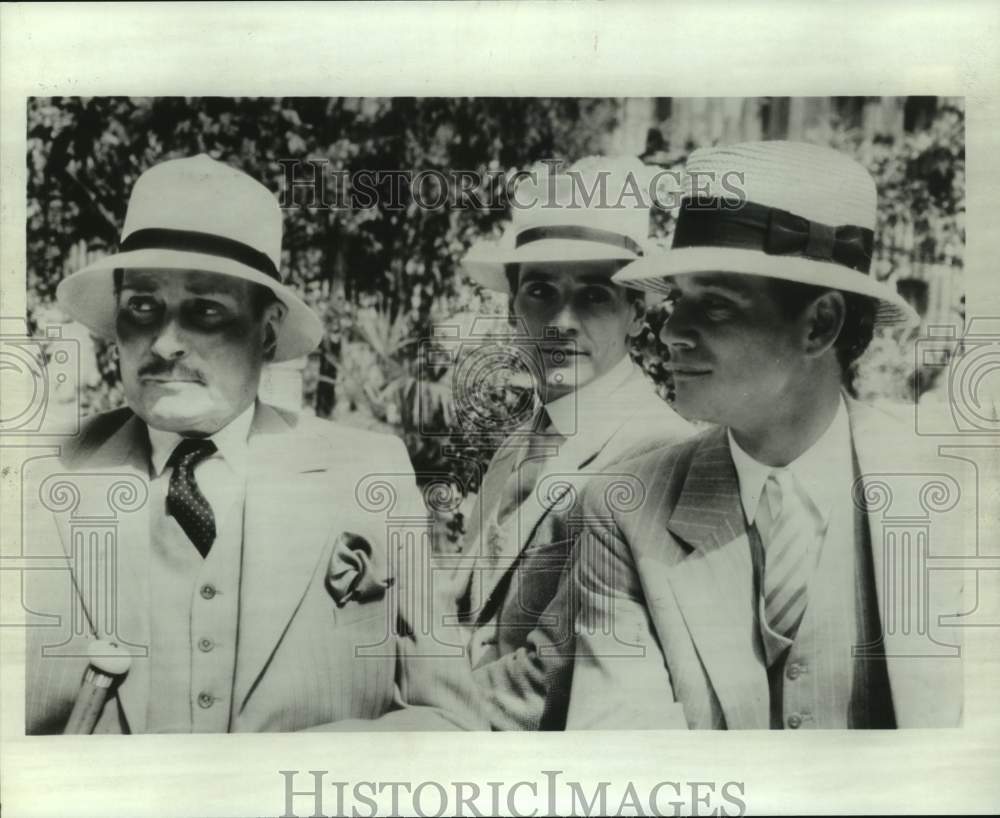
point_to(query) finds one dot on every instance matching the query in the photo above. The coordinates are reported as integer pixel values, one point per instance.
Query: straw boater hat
(807, 215)
(195, 214)
(571, 216)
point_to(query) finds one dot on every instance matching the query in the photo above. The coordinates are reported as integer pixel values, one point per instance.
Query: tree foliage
(383, 275)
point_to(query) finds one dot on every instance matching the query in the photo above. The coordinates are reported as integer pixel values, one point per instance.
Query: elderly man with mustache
(255, 589)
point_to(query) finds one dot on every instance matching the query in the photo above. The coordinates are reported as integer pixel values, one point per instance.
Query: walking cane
(108, 662)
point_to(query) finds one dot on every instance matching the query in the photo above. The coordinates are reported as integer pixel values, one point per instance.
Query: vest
(194, 612)
(820, 682)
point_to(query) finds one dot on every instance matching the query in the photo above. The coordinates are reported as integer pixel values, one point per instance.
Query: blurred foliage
(920, 236)
(383, 277)
(380, 276)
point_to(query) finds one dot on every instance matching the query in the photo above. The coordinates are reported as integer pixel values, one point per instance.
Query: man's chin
(690, 404)
(181, 414)
(568, 379)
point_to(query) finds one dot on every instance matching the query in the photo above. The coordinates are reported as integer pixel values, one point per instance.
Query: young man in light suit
(762, 583)
(594, 406)
(252, 586)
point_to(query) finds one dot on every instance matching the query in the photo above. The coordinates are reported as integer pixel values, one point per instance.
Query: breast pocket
(354, 612)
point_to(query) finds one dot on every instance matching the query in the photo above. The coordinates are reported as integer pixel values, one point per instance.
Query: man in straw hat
(245, 586)
(570, 232)
(761, 583)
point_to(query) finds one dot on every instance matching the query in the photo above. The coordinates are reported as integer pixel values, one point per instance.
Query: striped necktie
(786, 532)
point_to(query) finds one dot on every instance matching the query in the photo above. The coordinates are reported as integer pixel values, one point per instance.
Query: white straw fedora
(597, 210)
(195, 214)
(785, 210)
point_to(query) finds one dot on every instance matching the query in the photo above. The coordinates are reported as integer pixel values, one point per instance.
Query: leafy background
(382, 278)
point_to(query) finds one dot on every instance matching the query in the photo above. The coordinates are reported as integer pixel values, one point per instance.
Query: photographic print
(389, 431)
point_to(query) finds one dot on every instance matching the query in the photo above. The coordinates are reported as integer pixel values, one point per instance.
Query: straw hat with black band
(804, 213)
(596, 210)
(195, 214)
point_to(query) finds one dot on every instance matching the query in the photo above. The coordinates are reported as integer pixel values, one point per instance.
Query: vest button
(794, 671)
(207, 591)
(794, 721)
(205, 700)
(205, 644)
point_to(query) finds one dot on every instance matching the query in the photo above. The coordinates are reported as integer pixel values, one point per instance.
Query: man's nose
(677, 330)
(170, 343)
(565, 321)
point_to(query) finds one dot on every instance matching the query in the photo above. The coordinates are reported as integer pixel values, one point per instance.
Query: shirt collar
(816, 469)
(571, 413)
(230, 441)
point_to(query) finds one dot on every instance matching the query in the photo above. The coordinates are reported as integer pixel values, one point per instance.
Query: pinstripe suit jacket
(518, 631)
(298, 659)
(667, 634)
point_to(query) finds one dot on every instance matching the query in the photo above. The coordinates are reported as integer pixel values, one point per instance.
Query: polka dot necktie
(185, 502)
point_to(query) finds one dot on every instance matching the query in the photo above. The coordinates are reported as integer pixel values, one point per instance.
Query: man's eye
(142, 306)
(209, 310)
(539, 291)
(717, 310)
(597, 295)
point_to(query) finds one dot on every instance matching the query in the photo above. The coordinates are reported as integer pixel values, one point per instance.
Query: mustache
(165, 369)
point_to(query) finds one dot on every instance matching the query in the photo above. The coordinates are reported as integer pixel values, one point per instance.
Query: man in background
(556, 262)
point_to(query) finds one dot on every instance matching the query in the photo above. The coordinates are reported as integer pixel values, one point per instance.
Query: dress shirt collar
(230, 441)
(817, 470)
(579, 411)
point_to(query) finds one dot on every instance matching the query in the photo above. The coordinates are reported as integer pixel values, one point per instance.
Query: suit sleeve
(527, 689)
(619, 678)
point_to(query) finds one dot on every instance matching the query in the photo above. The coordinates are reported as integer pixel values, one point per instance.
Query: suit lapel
(471, 573)
(714, 584)
(578, 454)
(288, 515)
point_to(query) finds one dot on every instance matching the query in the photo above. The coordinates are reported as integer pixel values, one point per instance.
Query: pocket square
(351, 575)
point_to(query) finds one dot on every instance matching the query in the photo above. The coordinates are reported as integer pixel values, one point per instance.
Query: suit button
(794, 721)
(205, 645)
(207, 591)
(205, 700)
(794, 671)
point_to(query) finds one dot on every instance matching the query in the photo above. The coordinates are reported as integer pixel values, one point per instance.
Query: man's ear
(824, 318)
(274, 314)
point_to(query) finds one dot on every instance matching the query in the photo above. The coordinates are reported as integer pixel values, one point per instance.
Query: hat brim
(486, 263)
(653, 274)
(87, 296)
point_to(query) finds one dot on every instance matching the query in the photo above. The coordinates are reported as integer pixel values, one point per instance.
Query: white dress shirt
(219, 476)
(591, 406)
(823, 476)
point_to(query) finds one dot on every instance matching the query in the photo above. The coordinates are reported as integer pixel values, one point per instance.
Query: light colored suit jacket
(518, 621)
(303, 660)
(666, 630)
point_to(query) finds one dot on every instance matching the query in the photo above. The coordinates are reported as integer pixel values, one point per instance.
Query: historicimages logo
(550, 794)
